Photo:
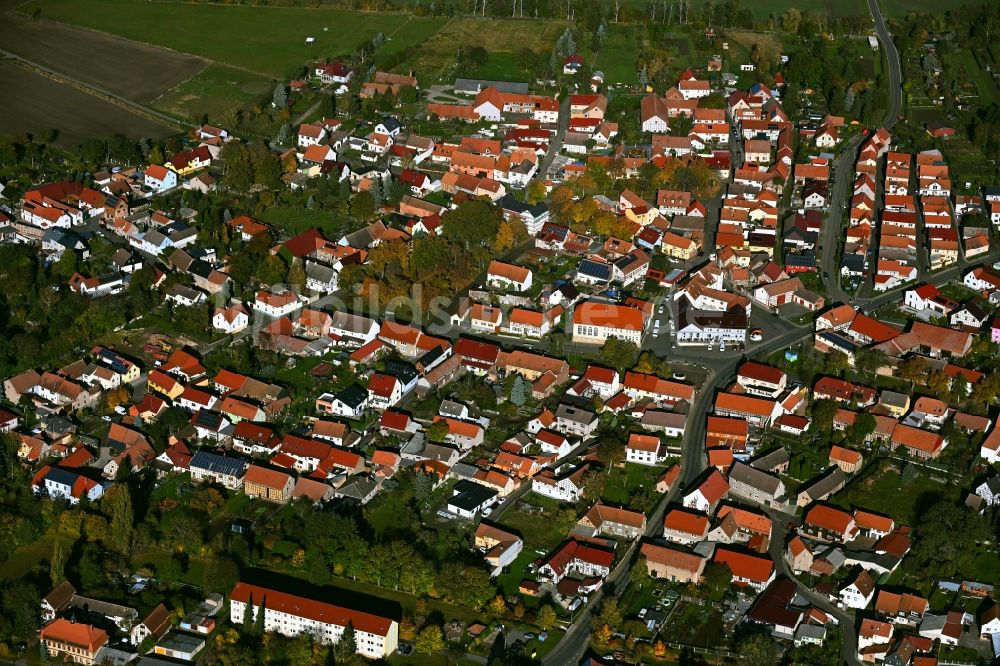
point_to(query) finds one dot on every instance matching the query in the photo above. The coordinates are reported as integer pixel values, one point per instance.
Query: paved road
(557, 141)
(832, 237)
(776, 549)
(892, 61)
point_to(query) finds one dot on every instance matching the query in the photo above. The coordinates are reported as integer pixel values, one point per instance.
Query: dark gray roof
(771, 459)
(470, 495)
(753, 477)
(219, 464)
(510, 203)
(401, 370)
(594, 269)
(353, 396)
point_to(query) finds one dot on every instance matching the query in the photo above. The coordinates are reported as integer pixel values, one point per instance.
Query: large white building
(289, 615)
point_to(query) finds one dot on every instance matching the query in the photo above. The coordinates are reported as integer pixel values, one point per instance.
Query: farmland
(43, 104)
(133, 70)
(265, 40)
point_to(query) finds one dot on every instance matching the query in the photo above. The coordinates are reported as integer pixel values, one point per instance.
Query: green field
(904, 7)
(617, 57)
(216, 90)
(266, 40)
(503, 39)
(886, 493)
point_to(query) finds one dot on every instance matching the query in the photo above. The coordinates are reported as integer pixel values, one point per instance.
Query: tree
(258, 620)
(602, 635)
(296, 278)
(430, 639)
(363, 206)
(791, 20)
(517, 391)
(716, 578)
(546, 617)
(913, 369)
(639, 573)
(65, 267)
(345, 650)
(280, 96)
(619, 354)
(836, 362)
(57, 563)
(498, 606)
(643, 77)
(610, 614)
(438, 431)
(870, 360)
(422, 485)
(272, 271)
(246, 627)
(864, 425)
(536, 192)
(117, 504)
(757, 650)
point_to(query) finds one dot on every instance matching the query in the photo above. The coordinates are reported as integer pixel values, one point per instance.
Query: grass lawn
(510, 580)
(807, 464)
(193, 575)
(536, 528)
(904, 7)
(887, 493)
(624, 482)
(28, 557)
(503, 39)
(266, 40)
(215, 91)
(694, 624)
(617, 57)
(295, 220)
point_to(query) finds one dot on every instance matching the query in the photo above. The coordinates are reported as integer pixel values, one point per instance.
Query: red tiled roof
(745, 565)
(268, 478)
(78, 634)
(318, 611)
(688, 522)
(829, 518)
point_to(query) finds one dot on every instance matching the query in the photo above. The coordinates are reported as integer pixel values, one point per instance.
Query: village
(591, 375)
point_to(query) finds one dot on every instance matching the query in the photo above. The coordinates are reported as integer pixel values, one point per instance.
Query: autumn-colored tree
(117, 397)
(606, 223)
(505, 237)
(519, 610)
(602, 634)
(430, 640)
(536, 192)
(498, 606)
(298, 558)
(659, 649)
(393, 255)
(546, 617)
(289, 164)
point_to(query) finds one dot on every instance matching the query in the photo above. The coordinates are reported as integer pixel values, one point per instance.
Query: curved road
(892, 61)
(832, 236)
